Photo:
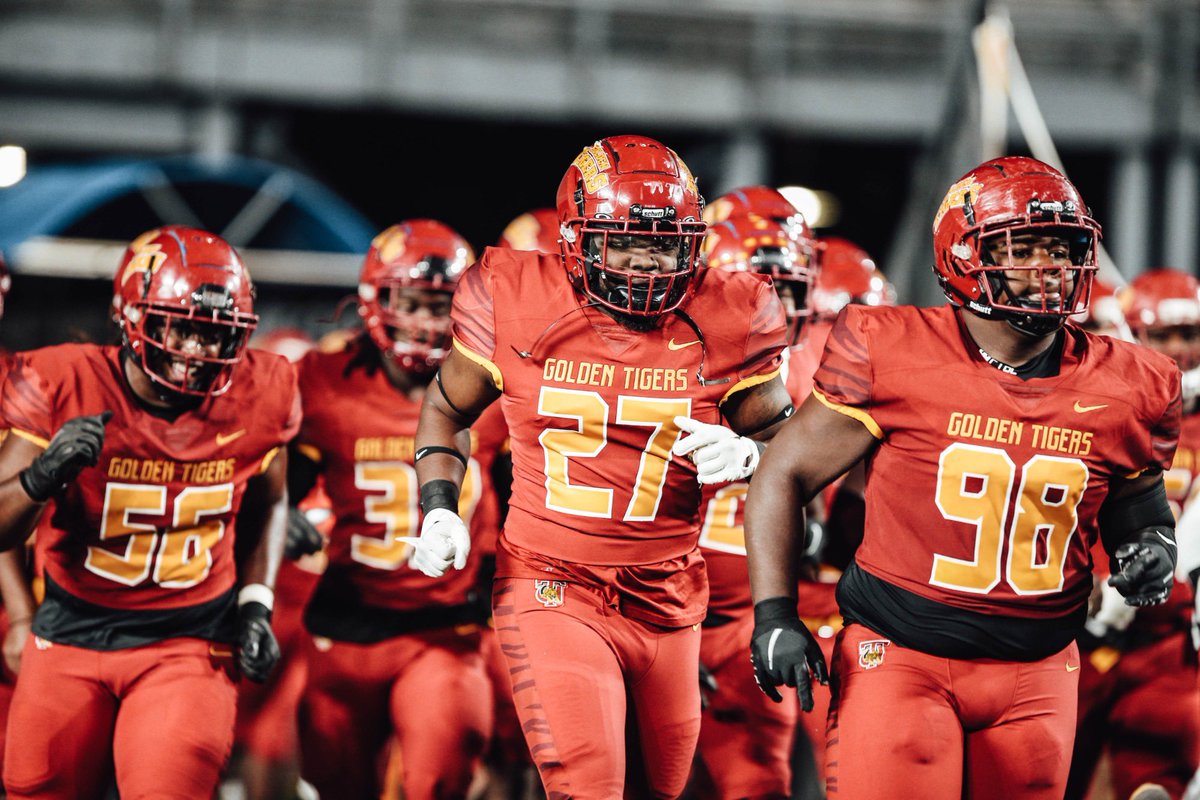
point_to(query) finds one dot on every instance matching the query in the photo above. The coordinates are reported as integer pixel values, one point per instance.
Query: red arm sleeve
(28, 404)
(844, 379)
(767, 341)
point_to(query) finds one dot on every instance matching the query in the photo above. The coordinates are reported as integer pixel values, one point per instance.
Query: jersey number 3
(975, 485)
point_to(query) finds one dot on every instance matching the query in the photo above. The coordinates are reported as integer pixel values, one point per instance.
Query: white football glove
(444, 541)
(720, 455)
(1113, 615)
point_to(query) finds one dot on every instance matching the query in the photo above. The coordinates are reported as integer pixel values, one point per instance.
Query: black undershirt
(67, 619)
(1044, 365)
(338, 611)
(928, 626)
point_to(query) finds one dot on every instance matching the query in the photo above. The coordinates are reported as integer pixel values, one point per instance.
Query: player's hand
(1145, 569)
(76, 445)
(257, 650)
(708, 685)
(720, 455)
(444, 541)
(1113, 614)
(14, 643)
(783, 651)
(303, 538)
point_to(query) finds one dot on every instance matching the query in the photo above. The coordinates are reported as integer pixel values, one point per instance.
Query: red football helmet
(848, 276)
(750, 243)
(535, 230)
(291, 343)
(1162, 307)
(770, 203)
(422, 255)
(623, 187)
(185, 305)
(1104, 314)
(989, 206)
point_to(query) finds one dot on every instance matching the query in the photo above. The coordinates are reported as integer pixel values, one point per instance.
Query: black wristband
(439, 494)
(437, 448)
(775, 608)
(254, 610)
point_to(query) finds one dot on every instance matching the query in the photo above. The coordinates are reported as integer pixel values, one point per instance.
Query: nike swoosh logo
(1084, 409)
(225, 438)
(1072, 668)
(671, 345)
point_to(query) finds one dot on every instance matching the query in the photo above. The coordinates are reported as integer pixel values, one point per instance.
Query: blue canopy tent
(255, 205)
(63, 223)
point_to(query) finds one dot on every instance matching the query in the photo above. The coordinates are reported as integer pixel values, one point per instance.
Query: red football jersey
(984, 489)
(590, 403)
(151, 526)
(361, 430)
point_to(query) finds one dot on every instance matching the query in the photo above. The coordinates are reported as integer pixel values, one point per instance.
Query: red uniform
(132, 641)
(973, 575)
(600, 587)
(1138, 694)
(746, 739)
(392, 649)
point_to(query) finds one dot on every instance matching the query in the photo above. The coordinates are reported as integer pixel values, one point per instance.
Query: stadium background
(469, 110)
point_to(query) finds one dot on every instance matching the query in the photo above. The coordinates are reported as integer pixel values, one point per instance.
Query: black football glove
(783, 651)
(76, 445)
(257, 650)
(303, 539)
(1144, 569)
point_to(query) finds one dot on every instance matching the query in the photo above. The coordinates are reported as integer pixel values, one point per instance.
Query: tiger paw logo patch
(870, 653)
(551, 594)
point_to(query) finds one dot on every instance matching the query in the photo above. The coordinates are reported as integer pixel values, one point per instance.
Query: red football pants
(578, 671)
(745, 738)
(161, 714)
(430, 689)
(904, 722)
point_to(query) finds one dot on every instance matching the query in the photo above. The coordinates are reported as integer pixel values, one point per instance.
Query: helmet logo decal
(147, 256)
(959, 194)
(391, 243)
(960, 250)
(592, 163)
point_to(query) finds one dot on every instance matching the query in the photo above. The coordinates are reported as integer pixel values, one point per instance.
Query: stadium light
(12, 165)
(819, 208)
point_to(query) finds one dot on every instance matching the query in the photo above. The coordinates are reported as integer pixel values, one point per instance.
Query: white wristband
(257, 593)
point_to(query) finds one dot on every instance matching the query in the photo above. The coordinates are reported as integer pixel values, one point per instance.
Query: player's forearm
(774, 525)
(437, 433)
(14, 587)
(18, 513)
(261, 565)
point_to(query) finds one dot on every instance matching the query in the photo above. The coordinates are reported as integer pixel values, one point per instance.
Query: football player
(1138, 691)
(745, 740)
(266, 744)
(165, 459)
(1001, 444)
(391, 650)
(615, 363)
